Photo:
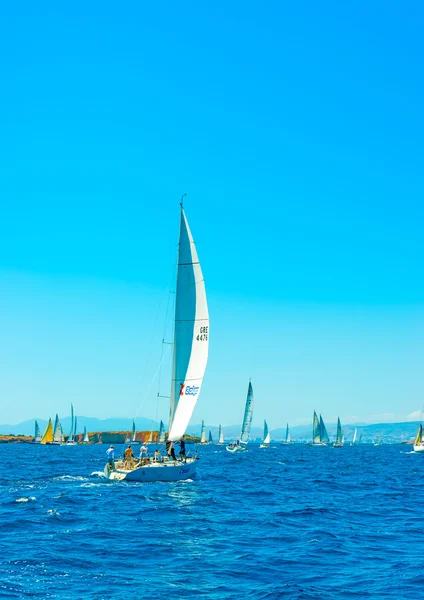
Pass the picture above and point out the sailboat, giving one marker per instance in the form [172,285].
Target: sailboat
[48,434]
[240,445]
[190,356]
[57,431]
[71,438]
[203,434]
[37,434]
[133,439]
[161,433]
[210,439]
[419,443]
[319,432]
[85,439]
[221,436]
[287,439]
[355,435]
[267,436]
[339,436]
[378,441]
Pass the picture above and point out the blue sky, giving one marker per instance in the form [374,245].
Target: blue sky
[295,128]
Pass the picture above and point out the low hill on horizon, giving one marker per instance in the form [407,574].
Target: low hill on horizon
[402,431]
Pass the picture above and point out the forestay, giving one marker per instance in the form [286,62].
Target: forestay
[191,334]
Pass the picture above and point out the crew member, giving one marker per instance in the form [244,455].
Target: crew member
[170,449]
[110,452]
[182,448]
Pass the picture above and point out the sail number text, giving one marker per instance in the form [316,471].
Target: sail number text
[203,335]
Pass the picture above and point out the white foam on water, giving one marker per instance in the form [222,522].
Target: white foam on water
[98,474]
[26,499]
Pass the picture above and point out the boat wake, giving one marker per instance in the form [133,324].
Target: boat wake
[26,499]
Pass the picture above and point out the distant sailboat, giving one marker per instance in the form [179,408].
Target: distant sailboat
[319,432]
[355,435]
[57,431]
[48,434]
[86,439]
[339,436]
[267,437]
[221,436]
[419,443]
[190,356]
[71,438]
[134,434]
[161,433]
[241,444]
[360,439]
[37,434]
[378,441]
[210,439]
[287,439]
[203,434]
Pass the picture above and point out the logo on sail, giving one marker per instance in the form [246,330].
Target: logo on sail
[189,390]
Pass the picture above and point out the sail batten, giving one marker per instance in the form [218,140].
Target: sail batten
[191,334]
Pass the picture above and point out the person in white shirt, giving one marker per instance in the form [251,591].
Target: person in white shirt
[143,452]
[110,452]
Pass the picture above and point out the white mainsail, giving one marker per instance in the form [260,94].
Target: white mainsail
[267,435]
[355,434]
[133,432]
[191,334]
[85,439]
[248,414]
[203,434]
[288,439]
[221,436]
[57,431]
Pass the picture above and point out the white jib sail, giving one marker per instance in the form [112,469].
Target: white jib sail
[221,435]
[355,436]
[57,431]
[248,414]
[267,435]
[86,439]
[191,335]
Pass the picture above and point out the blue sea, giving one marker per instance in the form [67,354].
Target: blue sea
[289,522]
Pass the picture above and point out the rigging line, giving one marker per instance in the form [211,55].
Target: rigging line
[150,345]
[152,380]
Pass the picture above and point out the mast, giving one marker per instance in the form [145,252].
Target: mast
[191,334]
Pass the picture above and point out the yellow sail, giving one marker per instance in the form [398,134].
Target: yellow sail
[419,437]
[48,434]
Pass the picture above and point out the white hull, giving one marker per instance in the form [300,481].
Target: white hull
[336,445]
[419,448]
[234,449]
[264,446]
[287,443]
[318,444]
[167,471]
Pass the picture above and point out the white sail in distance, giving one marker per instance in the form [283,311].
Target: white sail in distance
[248,414]
[191,334]
[71,434]
[85,439]
[57,431]
[161,433]
[203,434]
[37,433]
[288,439]
[267,435]
[133,432]
[221,435]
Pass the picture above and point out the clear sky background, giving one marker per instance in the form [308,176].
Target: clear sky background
[297,130]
